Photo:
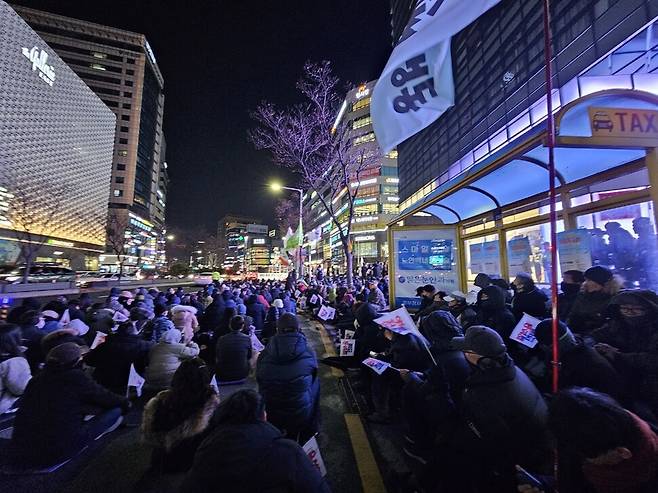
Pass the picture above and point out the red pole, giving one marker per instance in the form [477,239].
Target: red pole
[550,144]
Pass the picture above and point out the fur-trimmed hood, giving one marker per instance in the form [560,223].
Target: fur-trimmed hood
[192,426]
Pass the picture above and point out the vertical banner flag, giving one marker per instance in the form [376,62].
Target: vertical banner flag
[416,86]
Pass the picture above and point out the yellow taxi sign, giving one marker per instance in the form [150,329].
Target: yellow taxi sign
[623,122]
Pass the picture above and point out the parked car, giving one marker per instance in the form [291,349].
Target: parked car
[39,273]
[202,278]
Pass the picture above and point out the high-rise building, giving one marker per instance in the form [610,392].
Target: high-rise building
[376,201]
[56,141]
[120,67]
[481,169]
[231,233]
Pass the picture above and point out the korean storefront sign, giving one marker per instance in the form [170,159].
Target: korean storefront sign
[621,122]
[423,256]
[575,250]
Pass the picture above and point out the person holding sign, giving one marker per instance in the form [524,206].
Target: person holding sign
[244,453]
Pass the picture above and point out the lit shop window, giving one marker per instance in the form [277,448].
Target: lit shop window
[623,239]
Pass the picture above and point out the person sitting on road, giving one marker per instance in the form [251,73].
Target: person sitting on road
[527,298]
[376,296]
[14,368]
[31,337]
[233,354]
[51,425]
[51,321]
[589,310]
[112,359]
[271,319]
[153,330]
[246,454]
[602,447]
[287,375]
[256,311]
[176,421]
[165,358]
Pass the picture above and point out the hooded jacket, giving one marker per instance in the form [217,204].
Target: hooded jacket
[637,341]
[251,458]
[232,357]
[287,379]
[530,300]
[368,334]
[494,313]
[176,446]
[257,312]
[588,312]
[164,360]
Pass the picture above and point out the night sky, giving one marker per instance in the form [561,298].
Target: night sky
[219,60]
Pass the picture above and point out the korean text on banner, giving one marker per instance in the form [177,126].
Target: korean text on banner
[401,322]
[575,249]
[376,365]
[524,332]
[313,452]
[416,86]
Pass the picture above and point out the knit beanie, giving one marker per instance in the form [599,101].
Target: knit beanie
[600,275]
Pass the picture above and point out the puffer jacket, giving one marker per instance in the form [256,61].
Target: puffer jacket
[493,312]
[286,372]
[637,341]
[174,448]
[232,357]
[508,414]
[164,360]
[251,458]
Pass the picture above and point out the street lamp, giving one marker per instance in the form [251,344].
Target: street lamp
[277,187]
[170,237]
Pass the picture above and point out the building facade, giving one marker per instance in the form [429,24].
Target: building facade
[377,197]
[120,67]
[56,140]
[231,233]
[481,168]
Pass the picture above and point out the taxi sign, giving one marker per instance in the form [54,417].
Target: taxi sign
[622,122]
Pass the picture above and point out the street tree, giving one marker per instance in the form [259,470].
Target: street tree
[33,214]
[115,229]
[314,143]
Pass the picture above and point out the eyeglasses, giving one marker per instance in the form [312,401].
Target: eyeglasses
[632,309]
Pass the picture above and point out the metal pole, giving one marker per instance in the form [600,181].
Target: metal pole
[300,234]
[550,144]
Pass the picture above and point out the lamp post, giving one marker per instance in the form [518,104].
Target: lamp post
[277,187]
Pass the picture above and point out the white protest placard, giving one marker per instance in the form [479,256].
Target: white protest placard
[135,380]
[524,332]
[376,365]
[349,334]
[313,452]
[119,317]
[297,293]
[256,345]
[213,383]
[401,322]
[98,340]
[347,347]
[314,299]
[327,313]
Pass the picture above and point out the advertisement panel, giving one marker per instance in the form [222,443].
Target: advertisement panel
[574,250]
[260,229]
[423,256]
[485,257]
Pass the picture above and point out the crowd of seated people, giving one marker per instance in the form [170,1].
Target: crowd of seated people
[479,414]
[68,368]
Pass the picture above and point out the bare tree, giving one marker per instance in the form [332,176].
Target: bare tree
[33,214]
[307,139]
[212,246]
[287,215]
[117,225]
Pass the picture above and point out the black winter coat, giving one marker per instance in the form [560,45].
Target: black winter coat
[232,357]
[493,313]
[508,413]
[251,458]
[588,312]
[533,303]
[408,352]
[48,427]
[112,359]
[287,379]
[257,312]
[213,316]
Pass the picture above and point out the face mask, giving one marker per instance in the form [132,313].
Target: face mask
[487,305]
[41,323]
[569,288]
